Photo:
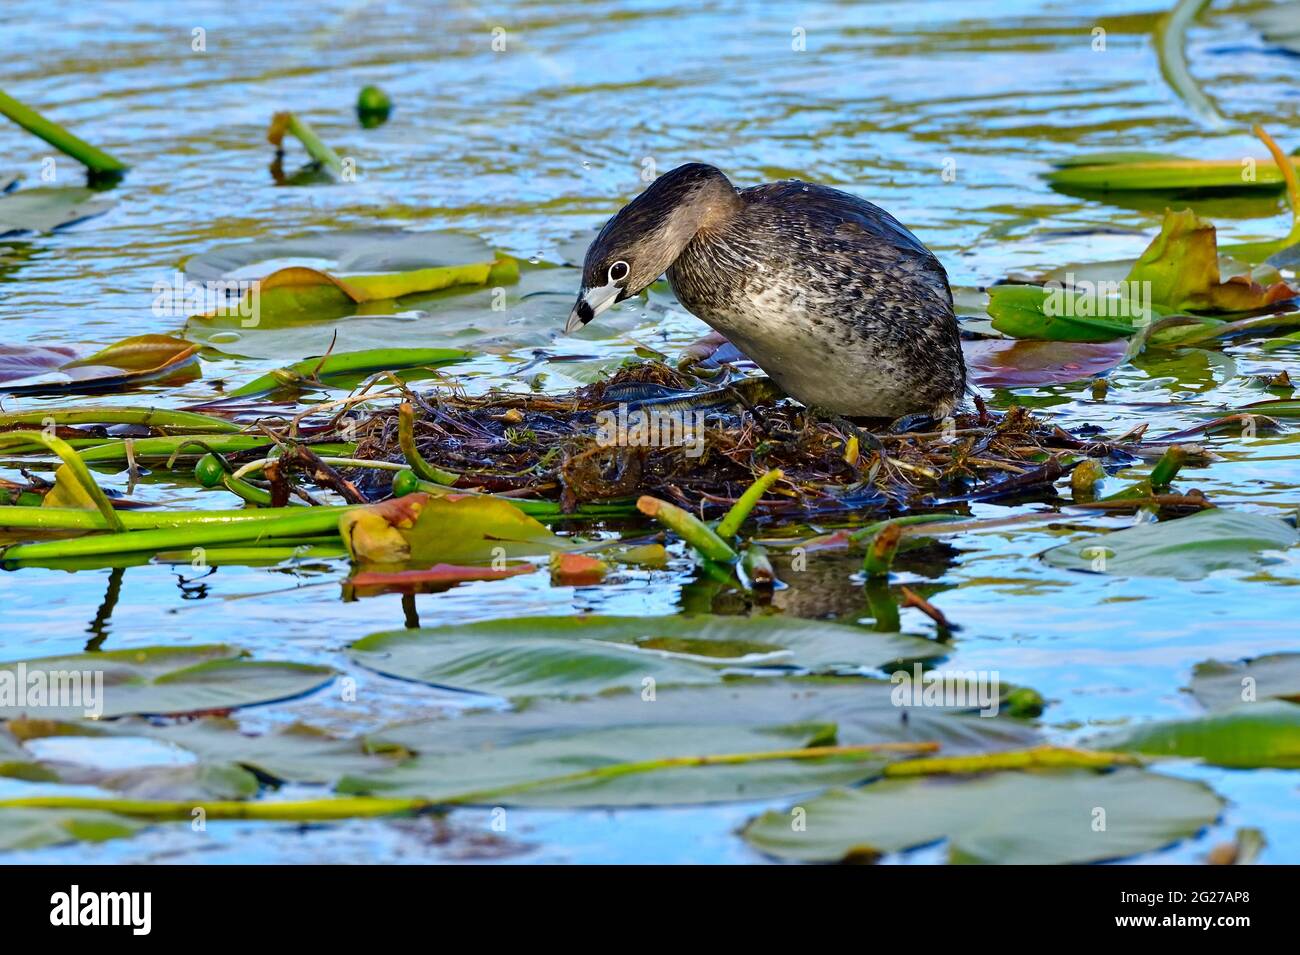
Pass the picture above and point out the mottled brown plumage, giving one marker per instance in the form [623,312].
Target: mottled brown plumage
[830,295]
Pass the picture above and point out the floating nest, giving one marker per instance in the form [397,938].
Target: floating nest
[652,429]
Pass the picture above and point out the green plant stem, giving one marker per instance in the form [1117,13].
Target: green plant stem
[76,466]
[758,567]
[1166,469]
[309,521]
[307,810]
[871,530]
[689,528]
[75,519]
[883,605]
[1040,757]
[58,137]
[158,418]
[731,521]
[406,438]
[166,448]
[246,491]
[1085,478]
[301,131]
[1170,44]
[881,551]
[1287,167]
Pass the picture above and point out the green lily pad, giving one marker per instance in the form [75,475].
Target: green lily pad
[1021,311]
[1248,736]
[1023,818]
[1188,548]
[1108,172]
[581,655]
[534,749]
[160,680]
[1221,686]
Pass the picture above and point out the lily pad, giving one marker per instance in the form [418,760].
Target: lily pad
[23,361]
[1023,818]
[142,360]
[344,288]
[1117,172]
[533,751]
[1221,686]
[552,771]
[863,710]
[1247,736]
[498,319]
[1023,311]
[1179,271]
[422,529]
[1009,363]
[372,250]
[1188,548]
[582,655]
[1280,26]
[46,209]
[158,680]
[34,828]
[195,781]
[295,753]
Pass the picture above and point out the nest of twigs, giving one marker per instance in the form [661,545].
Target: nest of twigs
[586,446]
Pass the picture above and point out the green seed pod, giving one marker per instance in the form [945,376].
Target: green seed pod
[404,483]
[373,107]
[209,471]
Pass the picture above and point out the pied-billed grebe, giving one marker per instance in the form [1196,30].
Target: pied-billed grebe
[830,295]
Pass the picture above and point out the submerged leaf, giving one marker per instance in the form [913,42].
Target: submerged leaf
[1003,363]
[439,575]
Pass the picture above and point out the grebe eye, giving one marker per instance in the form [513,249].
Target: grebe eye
[618,271]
